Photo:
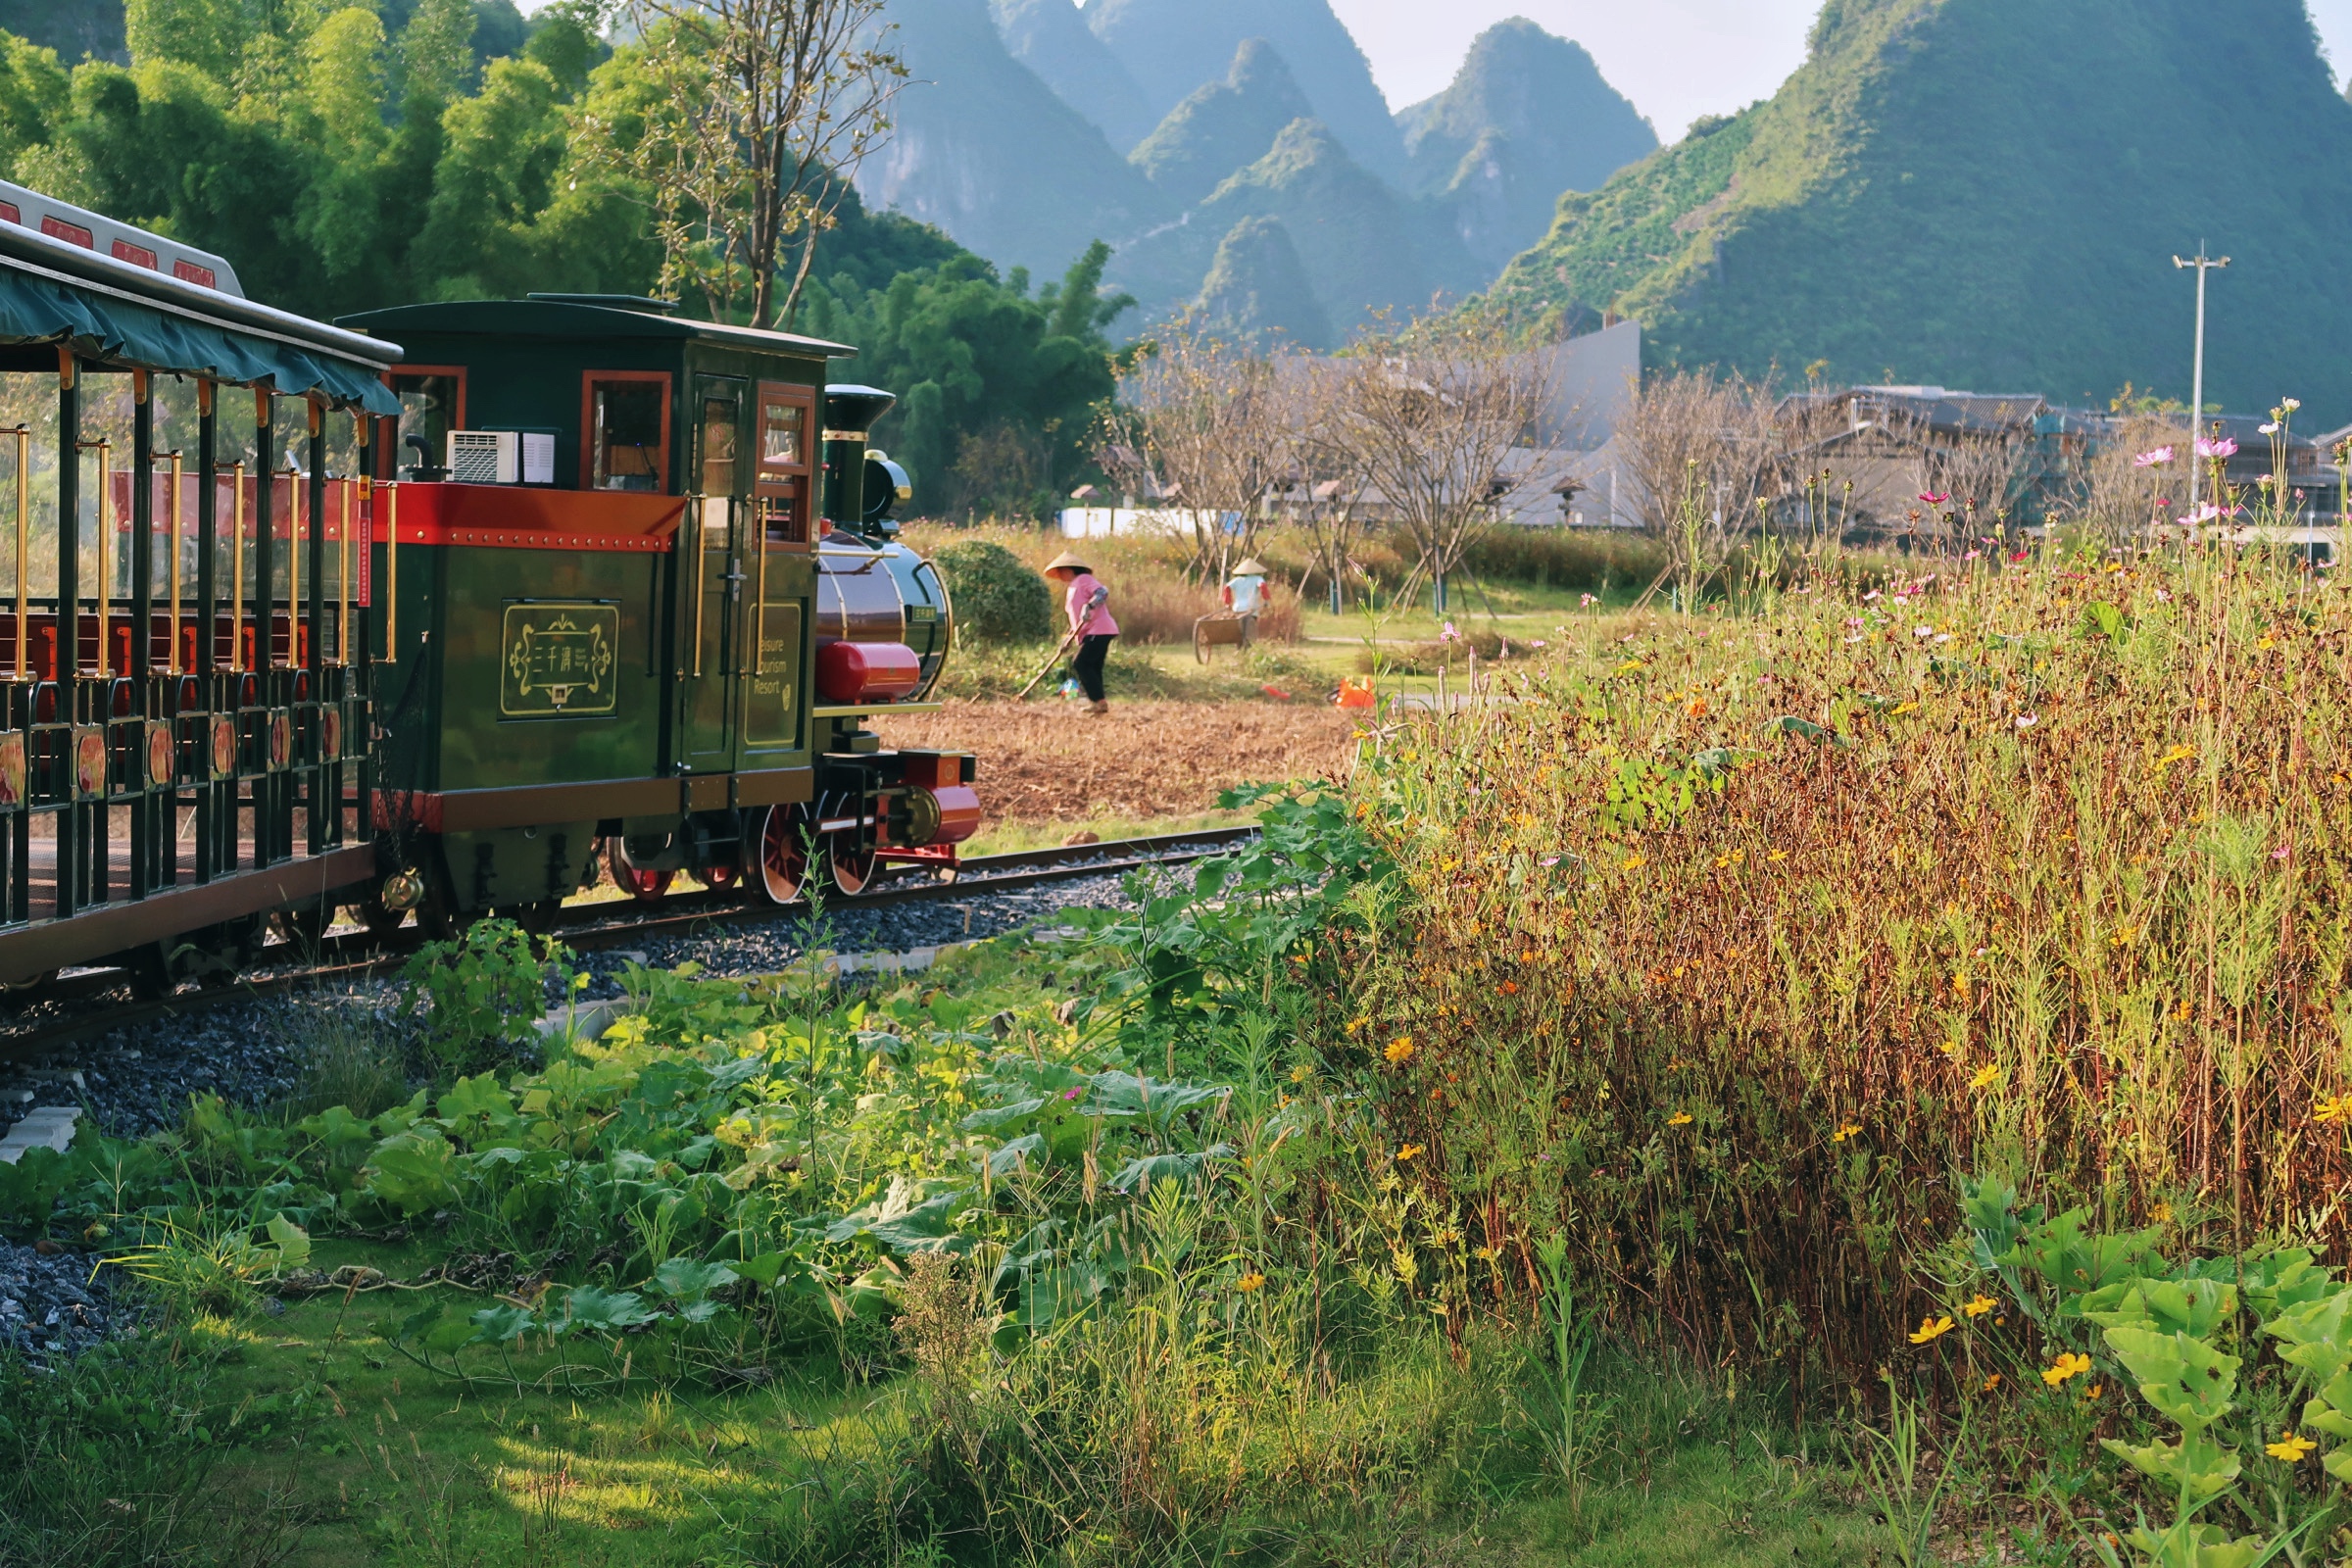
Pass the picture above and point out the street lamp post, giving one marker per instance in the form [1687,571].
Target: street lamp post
[2204,264]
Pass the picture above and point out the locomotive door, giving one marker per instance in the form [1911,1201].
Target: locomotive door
[780,537]
[714,578]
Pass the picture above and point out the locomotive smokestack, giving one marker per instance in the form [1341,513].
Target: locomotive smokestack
[849,413]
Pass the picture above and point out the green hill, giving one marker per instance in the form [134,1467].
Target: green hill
[1224,126]
[1173,46]
[1988,193]
[1258,287]
[984,150]
[1526,118]
[1052,39]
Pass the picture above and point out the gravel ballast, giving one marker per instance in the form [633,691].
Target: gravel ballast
[51,1305]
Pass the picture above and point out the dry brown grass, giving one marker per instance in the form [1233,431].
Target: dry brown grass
[1051,762]
[1151,598]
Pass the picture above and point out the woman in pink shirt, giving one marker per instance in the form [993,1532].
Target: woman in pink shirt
[1088,604]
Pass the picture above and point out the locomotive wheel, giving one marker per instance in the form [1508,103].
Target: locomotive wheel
[854,872]
[783,869]
[645,887]
[720,878]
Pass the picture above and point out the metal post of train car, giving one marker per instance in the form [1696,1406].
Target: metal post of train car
[106,556]
[322,814]
[23,436]
[174,514]
[264,615]
[237,569]
[68,639]
[139,665]
[19,697]
[209,837]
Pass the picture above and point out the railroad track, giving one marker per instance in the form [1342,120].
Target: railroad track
[587,927]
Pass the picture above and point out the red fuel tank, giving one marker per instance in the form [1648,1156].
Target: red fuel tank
[866,672]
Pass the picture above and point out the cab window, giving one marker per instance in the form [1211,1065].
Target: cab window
[627,419]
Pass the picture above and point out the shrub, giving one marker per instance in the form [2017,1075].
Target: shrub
[481,998]
[997,598]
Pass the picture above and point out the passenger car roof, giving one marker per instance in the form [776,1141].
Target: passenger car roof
[571,318]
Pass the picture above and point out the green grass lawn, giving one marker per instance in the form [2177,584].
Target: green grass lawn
[345,1453]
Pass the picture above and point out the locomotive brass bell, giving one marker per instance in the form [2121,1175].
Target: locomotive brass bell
[403,891]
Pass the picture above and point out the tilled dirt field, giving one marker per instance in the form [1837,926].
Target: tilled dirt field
[1049,760]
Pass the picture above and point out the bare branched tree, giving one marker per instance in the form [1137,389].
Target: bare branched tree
[1442,427]
[765,109]
[1977,478]
[2124,498]
[1703,450]
[1203,426]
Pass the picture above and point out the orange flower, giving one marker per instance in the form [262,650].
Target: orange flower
[1399,1049]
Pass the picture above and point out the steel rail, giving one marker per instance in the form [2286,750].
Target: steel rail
[591,927]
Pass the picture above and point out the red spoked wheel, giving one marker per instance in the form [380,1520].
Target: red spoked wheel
[643,886]
[854,871]
[783,865]
[720,878]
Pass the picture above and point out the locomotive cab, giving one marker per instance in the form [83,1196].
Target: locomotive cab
[642,598]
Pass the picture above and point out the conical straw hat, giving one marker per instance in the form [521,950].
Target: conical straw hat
[1251,567]
[1069,560]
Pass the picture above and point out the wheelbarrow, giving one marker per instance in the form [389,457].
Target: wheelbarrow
[1225,630]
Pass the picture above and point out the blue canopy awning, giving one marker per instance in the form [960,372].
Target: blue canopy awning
[41,310]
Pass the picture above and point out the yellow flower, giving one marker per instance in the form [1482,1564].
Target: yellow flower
[1986,1076]
[1635,862]
[1449,865]
[1399,1049]
[1485,1255]
[2178,753]
[1249,1282]
[2068,1365]
[1680,1119]
[2289,1448]
[1978,1305]
[2332,1111]
[1907,707]
[1931,1329]
[2261,643]
[1353,1024]
[1844,1131]
[1992,1383]
[1778,854]
[1301,1073]
[1951,1049]
[2096,1390]
[1408,1152]
[2162,1213]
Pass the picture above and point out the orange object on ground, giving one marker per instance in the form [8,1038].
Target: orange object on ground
[1356,692]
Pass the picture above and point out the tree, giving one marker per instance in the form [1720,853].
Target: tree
[766,109]
[1444,425]
[1204,424]
[1702,449]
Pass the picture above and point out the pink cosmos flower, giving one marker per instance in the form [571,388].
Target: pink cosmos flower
[1971,554]
[1538,643]
[2155,459]
[1450,635]
[2217,447]
[1587,601]
[1934,499]
[2204,513]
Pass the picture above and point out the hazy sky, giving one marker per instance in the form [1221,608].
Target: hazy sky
[1676,58]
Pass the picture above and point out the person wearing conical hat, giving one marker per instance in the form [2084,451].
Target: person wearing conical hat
[1245,595]
[1087,603]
